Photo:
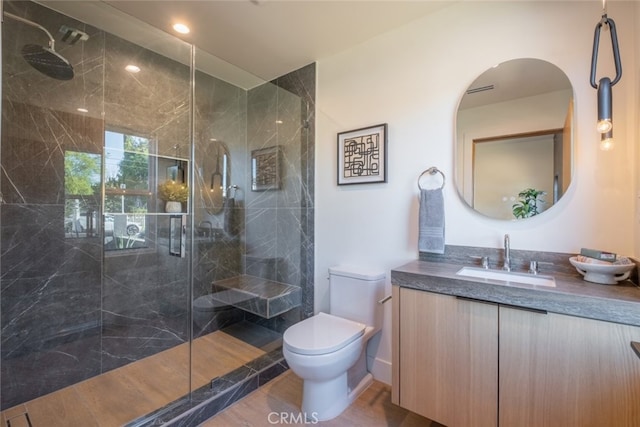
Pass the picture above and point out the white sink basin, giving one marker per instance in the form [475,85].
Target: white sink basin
[507,276]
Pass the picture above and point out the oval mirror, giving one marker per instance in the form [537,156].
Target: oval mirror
[514,132]
[215,177]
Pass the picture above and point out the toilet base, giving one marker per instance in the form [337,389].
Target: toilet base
[316,405]
[362,386]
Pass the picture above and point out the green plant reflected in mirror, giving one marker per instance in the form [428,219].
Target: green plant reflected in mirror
[529,203]
[514,131]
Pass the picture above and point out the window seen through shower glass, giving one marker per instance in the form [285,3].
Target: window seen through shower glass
[82,194]
[127,191]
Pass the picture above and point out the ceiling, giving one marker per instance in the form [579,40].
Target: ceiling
[518,78]
[264,38]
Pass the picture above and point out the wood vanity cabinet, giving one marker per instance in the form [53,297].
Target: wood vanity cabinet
[466,363]
[445,360]
[558,370]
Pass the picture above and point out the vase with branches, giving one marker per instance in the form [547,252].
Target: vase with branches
[174,194]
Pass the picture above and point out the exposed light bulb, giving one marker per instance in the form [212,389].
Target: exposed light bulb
[604,125]
[606,143]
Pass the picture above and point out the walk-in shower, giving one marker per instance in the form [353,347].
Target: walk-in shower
[111,308]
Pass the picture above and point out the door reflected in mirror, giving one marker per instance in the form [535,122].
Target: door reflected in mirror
[514,132]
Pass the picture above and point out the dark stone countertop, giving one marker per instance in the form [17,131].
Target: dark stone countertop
[572,296]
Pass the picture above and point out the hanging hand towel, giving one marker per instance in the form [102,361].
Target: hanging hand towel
[229,224]
[431,221]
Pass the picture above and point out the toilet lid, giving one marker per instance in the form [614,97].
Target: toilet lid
[321,334]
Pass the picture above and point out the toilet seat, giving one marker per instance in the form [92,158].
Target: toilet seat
[322,334]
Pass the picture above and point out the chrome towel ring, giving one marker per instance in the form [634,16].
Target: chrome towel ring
[431,171]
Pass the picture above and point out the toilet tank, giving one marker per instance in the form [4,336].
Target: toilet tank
[354,293]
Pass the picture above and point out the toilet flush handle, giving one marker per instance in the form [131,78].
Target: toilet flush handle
[385,299]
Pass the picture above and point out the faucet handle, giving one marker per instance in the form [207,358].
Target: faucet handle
[533,267]
[484,260]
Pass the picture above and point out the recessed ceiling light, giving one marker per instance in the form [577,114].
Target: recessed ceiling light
[279,122]
[181,28]
[132,68]
[82,110]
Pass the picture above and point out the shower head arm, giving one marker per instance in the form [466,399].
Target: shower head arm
[33,24]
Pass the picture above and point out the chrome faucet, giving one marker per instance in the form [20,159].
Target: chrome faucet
[507,253]
[208,233]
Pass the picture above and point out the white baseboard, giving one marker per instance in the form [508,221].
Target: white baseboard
[381,369]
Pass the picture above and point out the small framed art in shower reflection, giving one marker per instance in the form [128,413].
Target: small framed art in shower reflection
[177,235]
[266,169]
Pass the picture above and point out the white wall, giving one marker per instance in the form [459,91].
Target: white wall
[412,79]
[635,102]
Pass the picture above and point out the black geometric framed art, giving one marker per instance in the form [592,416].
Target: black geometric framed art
[362,155]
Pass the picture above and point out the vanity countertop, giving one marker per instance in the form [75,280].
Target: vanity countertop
[572,296]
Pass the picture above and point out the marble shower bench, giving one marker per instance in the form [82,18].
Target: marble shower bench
[262,297]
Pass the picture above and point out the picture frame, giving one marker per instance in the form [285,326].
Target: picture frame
[266,169]
[177,236]
[362,155]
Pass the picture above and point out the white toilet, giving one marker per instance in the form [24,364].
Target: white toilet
[207,311]
[328,351]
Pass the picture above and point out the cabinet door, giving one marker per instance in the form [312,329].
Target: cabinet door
[567,371]
[448,361]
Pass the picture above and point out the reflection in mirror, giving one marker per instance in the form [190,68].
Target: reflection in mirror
[131,177]
[514,134]
[126,190]
[82,194]
[215,177]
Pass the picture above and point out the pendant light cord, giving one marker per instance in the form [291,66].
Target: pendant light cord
[614,44]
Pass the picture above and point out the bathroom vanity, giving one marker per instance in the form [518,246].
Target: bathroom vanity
[482,352]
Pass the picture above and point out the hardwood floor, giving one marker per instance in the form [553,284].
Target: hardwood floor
[278,403]
[134,390]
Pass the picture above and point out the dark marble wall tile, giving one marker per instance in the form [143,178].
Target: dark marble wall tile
[261,232]
[73,360]
[55,299]
[22,83]
[153,103]
[50,284]
[35,141]
[302,83]
[278,222]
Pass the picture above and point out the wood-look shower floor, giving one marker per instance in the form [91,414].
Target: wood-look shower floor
[127,393]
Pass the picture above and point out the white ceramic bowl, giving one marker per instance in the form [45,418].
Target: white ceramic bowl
[606,274]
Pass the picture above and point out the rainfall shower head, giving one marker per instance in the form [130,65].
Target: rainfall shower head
[44,59]
[47,61]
